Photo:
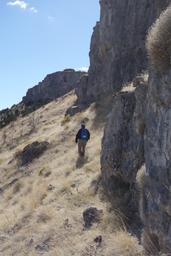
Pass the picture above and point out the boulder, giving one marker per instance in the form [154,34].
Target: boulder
[91,215]
[31,151]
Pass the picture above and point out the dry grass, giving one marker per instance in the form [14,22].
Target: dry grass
[159,42]
[67,118]
[41,213]
[126,245]
[37,195]
[140,180]
[150,243]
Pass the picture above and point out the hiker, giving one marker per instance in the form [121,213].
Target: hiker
[82,137]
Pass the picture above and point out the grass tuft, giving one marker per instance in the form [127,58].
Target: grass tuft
[159,42]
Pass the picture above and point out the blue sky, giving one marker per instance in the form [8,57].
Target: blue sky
[38,37]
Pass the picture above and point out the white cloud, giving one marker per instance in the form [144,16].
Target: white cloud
[84,69]
[23,5]
[19,3]
[33,9]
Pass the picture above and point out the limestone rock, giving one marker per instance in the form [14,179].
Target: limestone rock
[117,51]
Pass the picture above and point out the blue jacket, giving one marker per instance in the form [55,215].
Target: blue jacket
[78,136]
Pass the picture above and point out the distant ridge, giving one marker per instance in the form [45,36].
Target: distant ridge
[52,87]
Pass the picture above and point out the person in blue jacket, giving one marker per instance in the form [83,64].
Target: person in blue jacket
[82,136]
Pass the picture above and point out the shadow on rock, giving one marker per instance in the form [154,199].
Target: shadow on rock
[102,108]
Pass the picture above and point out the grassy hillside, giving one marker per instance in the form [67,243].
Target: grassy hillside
[42,204]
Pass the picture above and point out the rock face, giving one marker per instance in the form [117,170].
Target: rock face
[157,187]
[157,194]
[53,86]
[117,52]
[138,134]
[123,148]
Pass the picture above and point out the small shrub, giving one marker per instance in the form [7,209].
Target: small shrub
[41,171]
[66,119]
[30,152]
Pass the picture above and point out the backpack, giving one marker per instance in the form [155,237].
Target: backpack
[84,134]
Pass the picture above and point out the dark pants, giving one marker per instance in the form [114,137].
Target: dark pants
[81,147]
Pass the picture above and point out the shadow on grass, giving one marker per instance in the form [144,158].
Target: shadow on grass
[81,160]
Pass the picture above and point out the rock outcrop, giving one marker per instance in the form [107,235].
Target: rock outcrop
[8,115]
[53,86]
[123,148]
[117,52]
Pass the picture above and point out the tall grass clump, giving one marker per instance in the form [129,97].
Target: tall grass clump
[158,42]
[126,245]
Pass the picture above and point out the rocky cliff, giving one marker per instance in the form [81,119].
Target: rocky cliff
[157,187]
[52,87]
[137,144]
[117,51]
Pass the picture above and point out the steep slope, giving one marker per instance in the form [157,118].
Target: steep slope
[42,203]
